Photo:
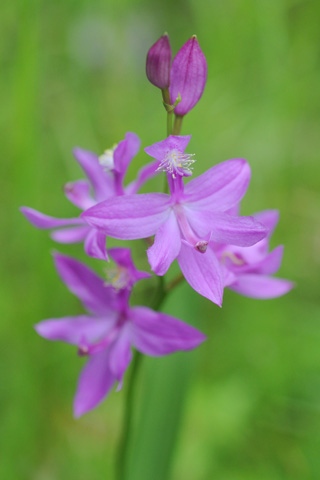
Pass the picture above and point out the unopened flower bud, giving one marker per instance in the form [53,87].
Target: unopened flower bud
[188,76]
[158,63]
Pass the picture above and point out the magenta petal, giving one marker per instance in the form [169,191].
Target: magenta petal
[203,273]
[85,284]
[75,329]
[120,355]
[144,174]
[94,383]
[234,211]
[272,262]
[125,151]
[159,150]
[157,334]
[269,218]
[70,235]
[242,231]
[188,76]
[228,276]
[78,193]
[95,245]
[129,217]
[269,265]
[122,257]
[261,286]
[159,62]
[102,183]
[166,246]
[219,188]
[40,220]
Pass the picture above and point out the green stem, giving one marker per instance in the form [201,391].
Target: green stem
[127,419]
[167,101]
[177,124]
[122,453]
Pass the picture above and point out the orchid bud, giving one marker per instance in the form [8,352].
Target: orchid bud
[188,76]
[158,62]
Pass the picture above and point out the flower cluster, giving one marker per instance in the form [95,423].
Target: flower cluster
[197,223]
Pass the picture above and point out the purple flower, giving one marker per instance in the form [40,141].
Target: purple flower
[159,62]
[185,222]
[248,270]
[112,327]
[188,76]
[171,157]
[105,176]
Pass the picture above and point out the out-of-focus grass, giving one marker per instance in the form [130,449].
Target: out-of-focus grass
[73,74]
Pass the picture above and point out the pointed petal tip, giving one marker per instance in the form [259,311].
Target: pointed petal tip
[76,150]
[78,411]
[80,151]
[58,256]
[38,328]
[290,285]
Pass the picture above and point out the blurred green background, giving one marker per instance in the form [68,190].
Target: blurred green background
[246,405]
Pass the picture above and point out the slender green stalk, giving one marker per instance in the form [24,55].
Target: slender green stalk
[121,459]
[167,105]
[177,124]
[127,419]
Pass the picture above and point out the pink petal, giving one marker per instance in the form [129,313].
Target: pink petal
[242,231]
[129,217]
[219,188]
[269,265]
[251,255]
[122,257]
[228,276]
[166,246]
[94,383]
[85,284]
[269,218]
[102,182]
[40,220]
[159,150]
[120,356]
[74,329]
[95,245]
[261,286]
[70,235]
[203,273]
[125,151]
[79,194]
[144,174]
[157,334]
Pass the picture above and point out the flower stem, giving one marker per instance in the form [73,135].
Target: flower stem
[177,124]
[167,102]
[176,281]
[127,420]
[122,453]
